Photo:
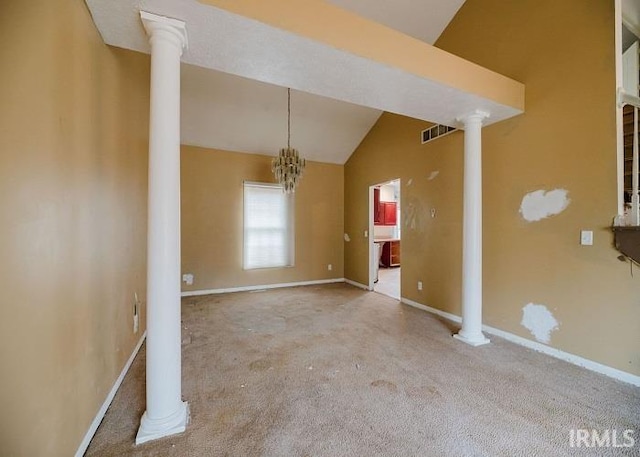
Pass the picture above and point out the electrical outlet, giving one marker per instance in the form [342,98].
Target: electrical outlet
[586,238]
[419,285]
[329,267]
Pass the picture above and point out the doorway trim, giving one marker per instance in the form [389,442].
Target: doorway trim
[370,242]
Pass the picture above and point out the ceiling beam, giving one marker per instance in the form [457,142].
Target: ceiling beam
[318,48]
[341,29]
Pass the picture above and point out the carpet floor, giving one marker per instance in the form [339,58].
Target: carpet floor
[336,371]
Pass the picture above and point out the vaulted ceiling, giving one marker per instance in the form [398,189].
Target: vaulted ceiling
[238,114]
[224,111]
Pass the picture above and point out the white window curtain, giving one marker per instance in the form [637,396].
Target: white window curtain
[268,226]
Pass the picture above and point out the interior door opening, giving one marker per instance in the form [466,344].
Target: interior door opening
[384,241]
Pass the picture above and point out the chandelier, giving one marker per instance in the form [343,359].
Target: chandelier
[288,166]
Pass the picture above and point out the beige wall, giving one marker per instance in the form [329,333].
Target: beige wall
[73,142]
[212,185]
[564,53]
[392,150]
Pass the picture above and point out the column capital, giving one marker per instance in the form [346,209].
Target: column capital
[175,29]
[473,116]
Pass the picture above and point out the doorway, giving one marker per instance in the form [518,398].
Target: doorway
[384,242]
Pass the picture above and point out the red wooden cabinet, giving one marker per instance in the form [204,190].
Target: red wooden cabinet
[390,213]
[390,256]
[384,213]
[387,213]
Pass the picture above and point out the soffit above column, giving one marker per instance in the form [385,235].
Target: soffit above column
[318,48]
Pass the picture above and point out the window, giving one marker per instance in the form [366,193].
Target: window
[268,226]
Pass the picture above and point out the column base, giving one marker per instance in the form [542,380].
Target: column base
[473,340]
[152,429]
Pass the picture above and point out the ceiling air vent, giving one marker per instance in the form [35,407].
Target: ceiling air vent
[436,131]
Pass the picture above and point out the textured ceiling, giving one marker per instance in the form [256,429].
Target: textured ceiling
[238,114]
[234,113]
[631,15]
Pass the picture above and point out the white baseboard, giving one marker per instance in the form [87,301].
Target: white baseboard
[447,316]
[103,409]
[548,350]
[356,284]
[193,293]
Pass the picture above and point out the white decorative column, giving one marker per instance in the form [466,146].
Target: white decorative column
[166,413]
[471,332]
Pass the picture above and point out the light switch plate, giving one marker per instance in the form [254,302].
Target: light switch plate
[586,237]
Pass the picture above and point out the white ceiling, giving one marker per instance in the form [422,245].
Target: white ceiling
[234,113]
[421,19]
[631,15]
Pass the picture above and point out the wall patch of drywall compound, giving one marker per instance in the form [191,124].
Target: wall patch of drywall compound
[541,204]
[433,175]
[410,217]
[347,238]
[539,321]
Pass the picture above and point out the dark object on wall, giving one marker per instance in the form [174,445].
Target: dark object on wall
[376,206]
[627,241]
